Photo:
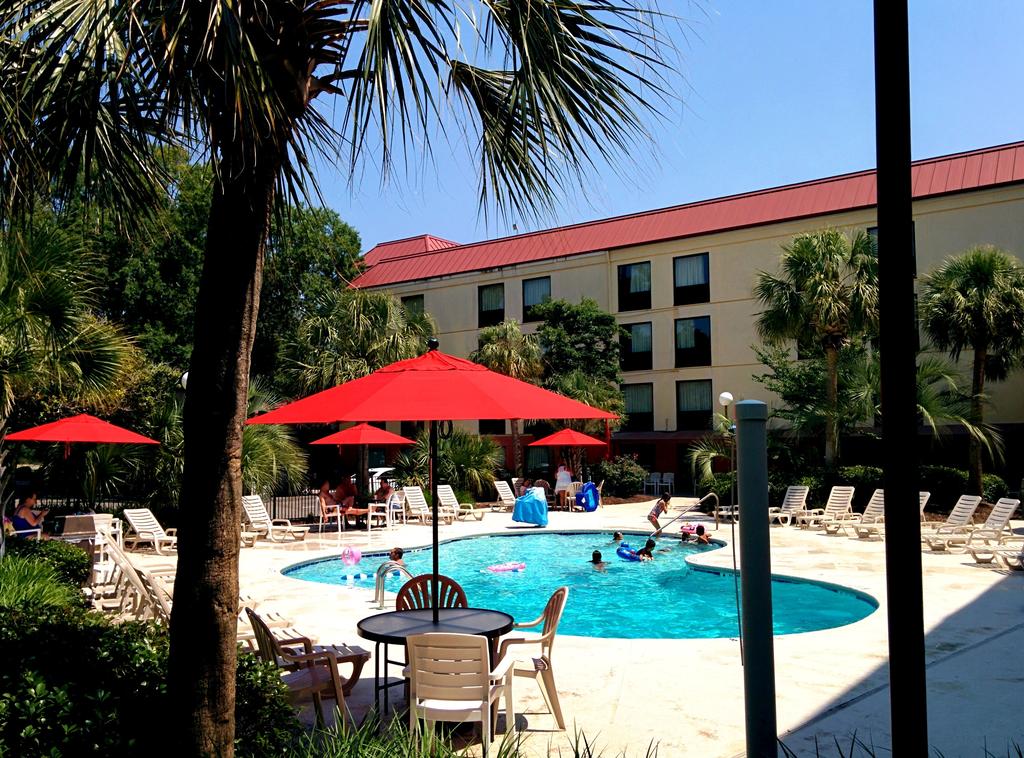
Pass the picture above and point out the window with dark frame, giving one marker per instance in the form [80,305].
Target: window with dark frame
[693,341]
[413,304]
[535,292]
[639,400]
[491,304]
[492,426]
[691,279]
[693,405]
[636,347]
[635,286]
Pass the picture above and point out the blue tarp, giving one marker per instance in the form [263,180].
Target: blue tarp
[531,508]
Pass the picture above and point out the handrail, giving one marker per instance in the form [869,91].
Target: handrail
[693,507]
[382,572]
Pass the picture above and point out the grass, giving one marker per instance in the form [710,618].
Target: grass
[31,582]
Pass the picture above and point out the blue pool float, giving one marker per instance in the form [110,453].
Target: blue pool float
[626,553]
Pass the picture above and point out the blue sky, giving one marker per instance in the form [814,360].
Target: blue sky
[772,93]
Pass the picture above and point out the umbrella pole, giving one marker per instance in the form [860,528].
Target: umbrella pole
[435,589]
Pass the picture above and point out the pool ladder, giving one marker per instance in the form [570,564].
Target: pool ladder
[382,572]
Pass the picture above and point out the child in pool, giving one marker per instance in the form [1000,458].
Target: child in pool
[700,536]
[646,553]
[617,537]
[597,562]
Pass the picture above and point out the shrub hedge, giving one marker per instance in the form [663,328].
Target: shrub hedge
[72,563]
[622,475]
[86,686]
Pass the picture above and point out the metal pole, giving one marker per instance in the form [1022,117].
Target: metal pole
[435,589]
[908,700]
[756,579]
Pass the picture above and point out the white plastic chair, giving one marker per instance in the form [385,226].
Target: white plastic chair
[450,679]
[653,482]
[276,530]
[147,529]
[506,497]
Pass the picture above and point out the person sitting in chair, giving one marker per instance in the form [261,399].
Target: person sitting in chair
[25,517]
[345,493]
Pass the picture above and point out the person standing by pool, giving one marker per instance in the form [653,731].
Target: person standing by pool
[659,508]
[563,481]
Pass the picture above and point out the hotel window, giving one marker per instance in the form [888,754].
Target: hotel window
[635,286]
[538,461]
[491,304]
[492,426]
[413,304]
[693,405]
[636,346]
[693,341]
[639,407]
[411,429]
[691,280]
[535,292]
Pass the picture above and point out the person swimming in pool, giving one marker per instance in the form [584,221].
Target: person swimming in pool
[700,535]
[597,561]
[617,537]
[646,553]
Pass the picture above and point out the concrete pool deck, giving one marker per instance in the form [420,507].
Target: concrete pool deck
[686,696]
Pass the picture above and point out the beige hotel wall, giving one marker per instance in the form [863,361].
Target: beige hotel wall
[944,226]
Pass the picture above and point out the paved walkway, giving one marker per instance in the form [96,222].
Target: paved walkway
[686,696]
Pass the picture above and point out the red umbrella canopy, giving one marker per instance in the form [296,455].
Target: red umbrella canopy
[363,434]
[81,428]
[568,438]
[432,387]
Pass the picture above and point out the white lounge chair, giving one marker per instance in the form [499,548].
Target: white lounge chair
[840,500]
[866,530]
[995,526]
[146,529]
[874,510]
[276,530]
[450,679]
[794,500]
[446,497]
[416,507]
[506,497]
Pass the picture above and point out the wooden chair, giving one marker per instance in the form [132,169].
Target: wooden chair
[417,593]
[450,679]
[309,674]
[539,668]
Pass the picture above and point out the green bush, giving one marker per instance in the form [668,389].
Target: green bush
[72,563]
[866,479]
[722,485]
[622,475]
[86,686]
[818,487]
[33,582]
[993,487]
[945,483]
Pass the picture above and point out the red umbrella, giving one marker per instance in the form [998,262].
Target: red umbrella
[433,387]
[81,428]
[568,438]
[363,434]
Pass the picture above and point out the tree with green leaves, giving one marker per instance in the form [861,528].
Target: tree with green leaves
[549,87]
[349,333]
[975,301]
[505,349]
[48,334]
[578,337]
[824,296]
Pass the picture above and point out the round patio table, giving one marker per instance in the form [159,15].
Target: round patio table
[394,627]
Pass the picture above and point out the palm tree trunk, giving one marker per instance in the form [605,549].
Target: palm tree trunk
[977,418]
[832,421]
[203,621]
[517,449]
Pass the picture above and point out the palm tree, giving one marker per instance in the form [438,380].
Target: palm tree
[975,301]
[595,392]
[48,337]
[505,349]
[546,89]
[271,456]
[351,333]
[825,295]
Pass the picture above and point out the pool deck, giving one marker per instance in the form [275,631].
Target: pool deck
[686,696]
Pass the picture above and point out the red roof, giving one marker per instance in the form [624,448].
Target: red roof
[424,243]
[961,172]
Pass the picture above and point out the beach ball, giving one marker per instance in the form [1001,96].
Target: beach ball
[350,556]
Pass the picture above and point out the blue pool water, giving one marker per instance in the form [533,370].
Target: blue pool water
[662,599]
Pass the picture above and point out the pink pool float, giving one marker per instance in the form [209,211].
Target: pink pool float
[510,566]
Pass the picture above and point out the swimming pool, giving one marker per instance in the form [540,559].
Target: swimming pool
[663,599]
